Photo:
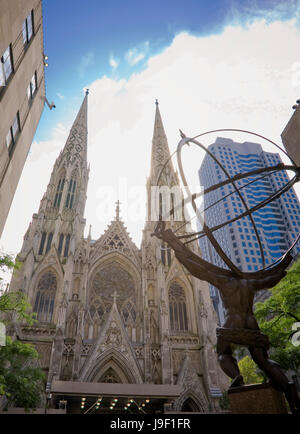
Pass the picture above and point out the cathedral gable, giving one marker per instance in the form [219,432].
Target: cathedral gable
[116,239]
[193,389]
[112,344]
[51,259]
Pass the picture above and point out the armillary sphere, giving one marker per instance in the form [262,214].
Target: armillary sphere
[248,211]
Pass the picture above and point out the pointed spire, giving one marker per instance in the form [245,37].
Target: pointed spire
[160,148]
[75,149]
[118,211]
[90,233]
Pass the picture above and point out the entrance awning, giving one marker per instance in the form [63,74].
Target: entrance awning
[166,391]
[87,397]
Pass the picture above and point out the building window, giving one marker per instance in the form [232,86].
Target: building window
[177,308]
[50,236]
[71,193]
[172,210]
[6,66]
[44,302]
[31,89]
[13,133]
[160,206]
[129,313]
[169,257]
[43,239]
[67,244]
[60,243]
[59,191]
[165,255]
[27,28]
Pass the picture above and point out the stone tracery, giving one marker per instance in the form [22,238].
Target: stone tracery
[108,282]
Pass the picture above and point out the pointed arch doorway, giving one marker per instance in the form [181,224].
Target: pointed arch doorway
[190,406]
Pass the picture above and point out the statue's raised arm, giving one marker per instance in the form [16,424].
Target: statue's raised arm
[197,266]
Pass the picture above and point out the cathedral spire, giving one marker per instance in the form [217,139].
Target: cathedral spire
[75,150]
[162,174]
[66,193]
[160,148]
[118,210]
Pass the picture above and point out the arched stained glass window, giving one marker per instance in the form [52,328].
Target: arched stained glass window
[112,283]
[44,302]
[177,308]
[71,192]
[113,278]
[128,312]
[59,191]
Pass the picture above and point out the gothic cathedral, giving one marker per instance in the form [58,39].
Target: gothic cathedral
[125,327]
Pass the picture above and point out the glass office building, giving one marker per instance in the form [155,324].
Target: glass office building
[278,223]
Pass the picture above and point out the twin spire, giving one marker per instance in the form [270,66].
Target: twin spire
[75,150]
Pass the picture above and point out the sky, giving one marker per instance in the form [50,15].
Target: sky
[211,65]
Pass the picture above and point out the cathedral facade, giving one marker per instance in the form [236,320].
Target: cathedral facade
[119,328]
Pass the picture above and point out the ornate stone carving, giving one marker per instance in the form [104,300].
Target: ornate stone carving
[155,353]
[113,336]
[38,331]
[73,148]
[86,348]
[44,351]
[68,349]
[139,352]
[202,310]
[184,340]
[192,386]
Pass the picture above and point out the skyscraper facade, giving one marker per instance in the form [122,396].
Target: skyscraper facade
[277,223]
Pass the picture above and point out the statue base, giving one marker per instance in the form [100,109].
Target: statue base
[256,399]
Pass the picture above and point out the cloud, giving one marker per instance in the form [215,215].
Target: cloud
[242,78]
[40,150]
[114,63]
[86,61]
[249,11]
[136,54]
[60,96]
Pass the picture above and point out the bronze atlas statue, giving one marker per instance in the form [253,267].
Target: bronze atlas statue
[237,288]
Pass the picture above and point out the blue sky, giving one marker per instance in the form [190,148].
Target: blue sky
[80,38]
[211,64]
